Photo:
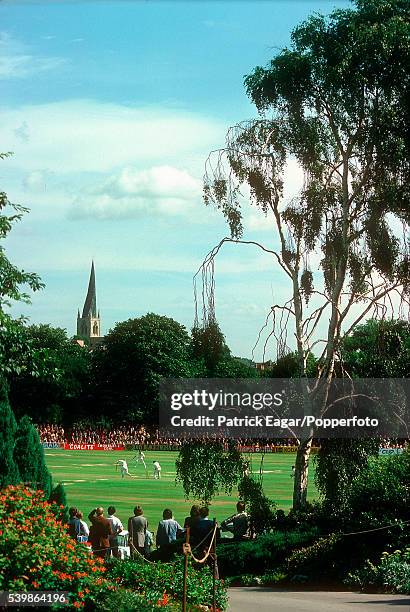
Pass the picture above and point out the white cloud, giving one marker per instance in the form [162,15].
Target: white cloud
[88,136]
[35,181]
[16,61]
[161,190]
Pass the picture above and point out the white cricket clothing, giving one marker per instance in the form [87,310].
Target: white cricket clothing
[157,470]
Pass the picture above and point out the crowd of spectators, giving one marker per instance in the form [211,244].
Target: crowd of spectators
[139,435]
[102,533]
[151,438]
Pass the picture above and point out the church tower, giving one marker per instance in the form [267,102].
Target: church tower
[89,323]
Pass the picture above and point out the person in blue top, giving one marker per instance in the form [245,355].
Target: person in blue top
[168,530]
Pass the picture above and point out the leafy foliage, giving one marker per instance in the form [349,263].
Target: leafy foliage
[9,473]
[266,552]
[338,463]
[380,494]
[391,573]
[155,579]
[336,100]
[261,509]
[135,356]
[55,378]
[58,499]
[207,469]
[123,600]
[29,457]
[378,349]
[322,556]
[210,349]
[288,366]
[37,554]
[209,345]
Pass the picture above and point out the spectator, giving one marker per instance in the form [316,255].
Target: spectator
[193,517]
[116,528]
[74,525]
[84,531]
[100,532]
[137,529]
[238,524]
[168,529]
[202,529]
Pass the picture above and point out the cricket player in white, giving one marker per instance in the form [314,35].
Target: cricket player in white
[123,468]
[157,470]
[140,458]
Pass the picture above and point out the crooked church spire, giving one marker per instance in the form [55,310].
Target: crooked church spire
[89,323]
[90,304]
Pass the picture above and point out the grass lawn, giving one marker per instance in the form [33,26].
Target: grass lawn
[91,480]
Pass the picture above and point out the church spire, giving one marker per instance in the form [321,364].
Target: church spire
[90,304]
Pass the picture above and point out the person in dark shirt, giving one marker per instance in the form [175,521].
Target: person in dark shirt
[74,525]
[201,530]
[100,532]
[238,524]
[193,517]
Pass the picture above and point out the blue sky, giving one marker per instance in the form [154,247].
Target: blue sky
[111,109]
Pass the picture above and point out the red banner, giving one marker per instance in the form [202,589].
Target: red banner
[97,447]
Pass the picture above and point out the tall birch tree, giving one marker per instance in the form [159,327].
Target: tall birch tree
[337,101]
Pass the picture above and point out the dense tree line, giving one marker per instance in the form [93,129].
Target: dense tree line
[58,381]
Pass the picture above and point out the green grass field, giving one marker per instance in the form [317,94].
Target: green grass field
[91,480]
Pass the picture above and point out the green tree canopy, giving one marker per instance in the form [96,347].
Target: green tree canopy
[208,469]
[135,355]
[378,349]
[56,379]
[214,356]
[14,284]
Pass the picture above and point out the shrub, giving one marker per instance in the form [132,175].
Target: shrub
[127,601]
[29,457]
[392,573]
[316,559]
[265,552]
[380,494]
[155,579]
[37,554]
[9,473]
[59,500]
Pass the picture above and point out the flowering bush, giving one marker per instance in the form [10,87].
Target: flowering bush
[37,554]
[392,573]
[162,583]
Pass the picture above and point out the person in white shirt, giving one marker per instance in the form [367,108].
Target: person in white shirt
[116,527]
[84,530]
[140,457]
[157,470]
[123,467]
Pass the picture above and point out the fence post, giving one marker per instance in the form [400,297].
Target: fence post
[185,569]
